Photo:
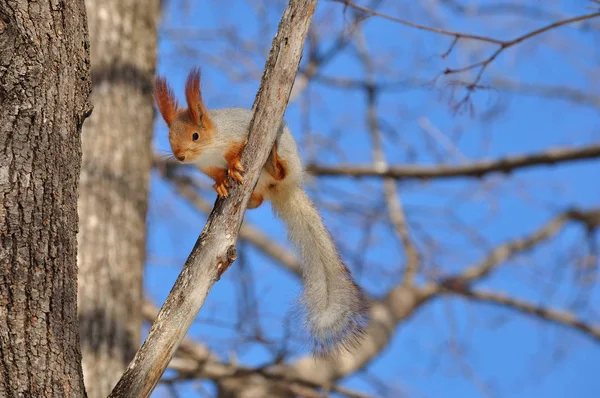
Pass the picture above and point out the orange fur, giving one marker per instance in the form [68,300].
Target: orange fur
[193,96]
[276,166]
[216,173]
[165,100]
[255,200]
[180,137]
[220,178]
[232,156]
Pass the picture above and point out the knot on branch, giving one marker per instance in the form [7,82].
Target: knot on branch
[456,284]
[223,262]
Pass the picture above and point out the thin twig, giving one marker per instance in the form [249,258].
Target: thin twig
[483,64]
[481,269]
[556,316]
[511,248]
[419,26]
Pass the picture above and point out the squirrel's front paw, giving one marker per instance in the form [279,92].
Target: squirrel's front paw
[234,172]
[221,188]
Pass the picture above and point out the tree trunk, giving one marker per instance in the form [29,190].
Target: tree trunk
[44,89]
[113,198]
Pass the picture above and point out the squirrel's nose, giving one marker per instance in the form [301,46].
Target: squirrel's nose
[181,158]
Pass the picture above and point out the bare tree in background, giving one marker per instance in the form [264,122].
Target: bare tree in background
[44,89]
[443,256]
[117,159]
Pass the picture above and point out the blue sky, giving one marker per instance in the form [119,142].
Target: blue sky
[509,354]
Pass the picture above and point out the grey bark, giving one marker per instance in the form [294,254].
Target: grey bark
[117,158]
[44,89]
[215,248]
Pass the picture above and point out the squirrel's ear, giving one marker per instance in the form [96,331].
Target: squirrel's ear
[196,108]
[165,100]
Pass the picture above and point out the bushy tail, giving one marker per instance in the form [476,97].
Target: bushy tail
[334,306]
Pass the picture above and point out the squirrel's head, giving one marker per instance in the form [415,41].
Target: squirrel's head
[190,130]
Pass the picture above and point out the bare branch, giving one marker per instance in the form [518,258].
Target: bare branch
[483,64]
[505,251]
[445,32]
[190,369]
[402,301]
[474,170]
[458,35]
[550,27]
[205,360]
[511,248]
[556,316]
[194,361]
[215,249]
[385,314]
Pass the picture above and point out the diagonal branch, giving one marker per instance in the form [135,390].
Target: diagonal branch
[402,301]
[510,249]
[480,169]
[556,316]
[591,219]
[215,249]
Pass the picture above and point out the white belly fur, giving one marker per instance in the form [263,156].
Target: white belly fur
[211,158]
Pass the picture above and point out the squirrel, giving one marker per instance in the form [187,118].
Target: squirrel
[334,306]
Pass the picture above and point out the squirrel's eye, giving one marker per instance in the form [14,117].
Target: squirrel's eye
[195,136]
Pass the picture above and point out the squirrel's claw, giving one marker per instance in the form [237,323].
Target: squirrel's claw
[237,177]
[221,189]
[238,166]
[234,172]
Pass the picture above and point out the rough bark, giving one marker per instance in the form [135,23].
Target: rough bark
[44,89]
[117,158]
[215,248]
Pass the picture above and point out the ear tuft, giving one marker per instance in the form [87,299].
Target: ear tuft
[196,108]
[165,100]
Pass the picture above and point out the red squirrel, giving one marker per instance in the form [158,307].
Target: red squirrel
[213,140]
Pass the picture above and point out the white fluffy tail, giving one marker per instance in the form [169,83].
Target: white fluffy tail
[335,308]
